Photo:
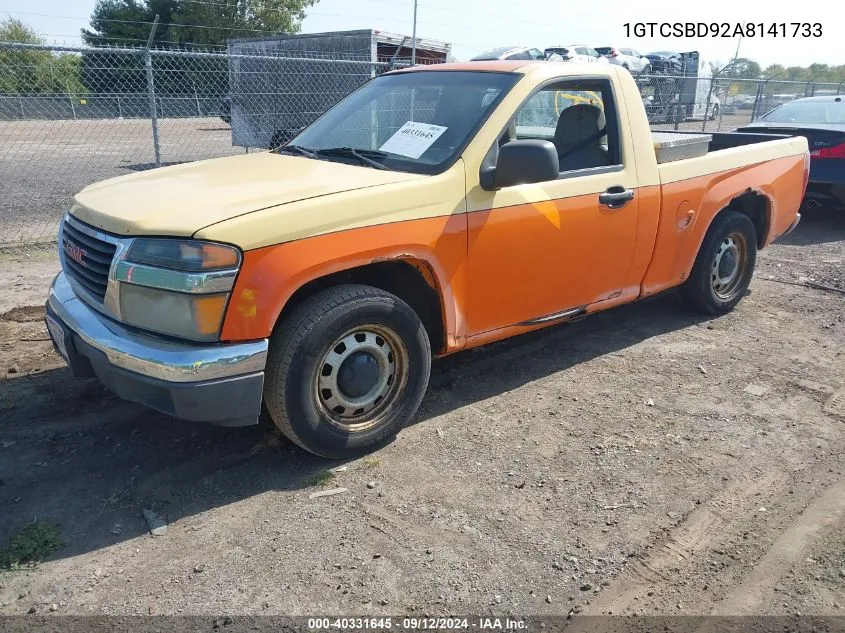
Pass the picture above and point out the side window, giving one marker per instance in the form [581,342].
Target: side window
[581,50]
[579,117]
[536,54]
[592,52]
[520,55]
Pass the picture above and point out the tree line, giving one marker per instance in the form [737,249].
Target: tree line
[35,72]
[203,23]
[182,24]
[744,68]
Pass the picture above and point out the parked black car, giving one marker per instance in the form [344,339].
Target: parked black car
[665,63]
[822,121]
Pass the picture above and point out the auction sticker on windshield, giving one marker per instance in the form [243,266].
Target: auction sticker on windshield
[413,139]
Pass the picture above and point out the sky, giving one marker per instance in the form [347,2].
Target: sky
[473,26]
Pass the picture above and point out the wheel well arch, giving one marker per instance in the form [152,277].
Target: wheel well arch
[757,207]
[411,280]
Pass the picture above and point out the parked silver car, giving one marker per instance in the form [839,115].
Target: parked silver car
[627,58]
[580,53]
[510,52]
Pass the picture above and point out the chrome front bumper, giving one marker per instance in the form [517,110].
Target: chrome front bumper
[219,383]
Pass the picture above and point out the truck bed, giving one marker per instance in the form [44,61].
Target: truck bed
[730,151]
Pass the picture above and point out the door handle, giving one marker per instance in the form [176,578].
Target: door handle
[616,197]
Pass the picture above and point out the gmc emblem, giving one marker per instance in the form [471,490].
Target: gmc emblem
[76,253]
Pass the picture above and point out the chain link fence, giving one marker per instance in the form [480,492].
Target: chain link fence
[719,103]
[70,117]
[127,110]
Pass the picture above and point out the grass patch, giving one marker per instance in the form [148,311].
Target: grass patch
[371,462]
[30,545]
[321,479]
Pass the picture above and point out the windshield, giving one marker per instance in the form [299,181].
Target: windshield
[413,121]
[808,112]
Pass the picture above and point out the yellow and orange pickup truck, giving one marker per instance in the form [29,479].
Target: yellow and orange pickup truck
[433,210]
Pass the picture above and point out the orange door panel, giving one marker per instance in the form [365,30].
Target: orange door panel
[534,259]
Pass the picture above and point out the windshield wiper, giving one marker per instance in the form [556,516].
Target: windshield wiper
[365,156]
[299,149]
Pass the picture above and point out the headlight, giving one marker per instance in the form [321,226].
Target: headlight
[177,287]
[194,317]
[190,255]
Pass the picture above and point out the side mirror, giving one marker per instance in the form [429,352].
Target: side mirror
[522,162]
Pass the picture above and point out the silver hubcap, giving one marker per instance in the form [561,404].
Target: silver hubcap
[360,376]
[728,265]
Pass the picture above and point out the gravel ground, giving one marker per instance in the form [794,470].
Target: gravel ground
[44,163]
[643,460]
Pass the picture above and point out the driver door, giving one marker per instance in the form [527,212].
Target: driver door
[538,252]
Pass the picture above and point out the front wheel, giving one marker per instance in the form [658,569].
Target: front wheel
[347,370]
[724,266]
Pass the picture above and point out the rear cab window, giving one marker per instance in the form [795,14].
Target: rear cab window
[519,55]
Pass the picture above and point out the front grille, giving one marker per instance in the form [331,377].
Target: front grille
[87,258]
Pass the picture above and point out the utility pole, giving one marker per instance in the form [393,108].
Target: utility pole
[736,55]
[414,37]
[148,62]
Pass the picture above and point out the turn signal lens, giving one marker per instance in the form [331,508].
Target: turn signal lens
[208,313]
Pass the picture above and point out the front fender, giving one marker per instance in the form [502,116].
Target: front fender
[270,276]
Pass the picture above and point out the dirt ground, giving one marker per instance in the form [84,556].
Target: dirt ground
[644,460]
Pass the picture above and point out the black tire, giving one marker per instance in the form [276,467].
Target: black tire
[714,112]
[279,138]
[299,393]
[705,290]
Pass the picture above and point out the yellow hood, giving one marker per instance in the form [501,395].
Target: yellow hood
[183,199]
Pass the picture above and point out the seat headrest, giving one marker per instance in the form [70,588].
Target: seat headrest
[578,123]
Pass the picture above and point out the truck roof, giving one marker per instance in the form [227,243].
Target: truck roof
[524,67]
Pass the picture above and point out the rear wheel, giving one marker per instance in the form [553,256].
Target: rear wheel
[724,266]
[347,370]
[279,138]
[715,112]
